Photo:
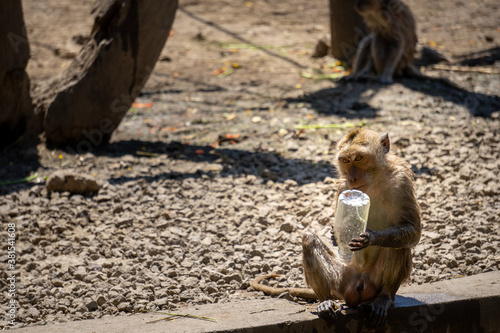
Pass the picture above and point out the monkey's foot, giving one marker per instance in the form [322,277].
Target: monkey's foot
[329,309]
[377,309]
[348,78]
[385,79]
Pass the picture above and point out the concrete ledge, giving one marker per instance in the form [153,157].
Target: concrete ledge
[470,304]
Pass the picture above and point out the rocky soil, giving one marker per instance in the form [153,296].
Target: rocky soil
[214,182]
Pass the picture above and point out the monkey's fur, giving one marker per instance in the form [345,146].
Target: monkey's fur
[389,49]
[382,257]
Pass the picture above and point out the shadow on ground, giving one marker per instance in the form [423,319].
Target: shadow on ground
[351,99]
[17,163]
[235,162]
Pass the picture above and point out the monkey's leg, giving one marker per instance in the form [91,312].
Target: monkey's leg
[386,56]
[362,63]
[324,273]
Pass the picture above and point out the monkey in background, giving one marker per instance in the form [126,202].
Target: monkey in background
[389,49]
[382,258]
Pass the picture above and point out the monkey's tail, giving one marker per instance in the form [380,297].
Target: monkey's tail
[430,56]
[413,71]
[306,293]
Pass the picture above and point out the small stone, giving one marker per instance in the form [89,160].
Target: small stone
[191,282]
[57,282]
[302,212]
[214,276]
[207,241]
[329,180]
[233,277]
[101,300]
[92,306]
[465,172]
[187,263]
[287,227]
[80,274]
[212,289]
[33,313]
[73,182]
[161,302]
[434,236]
[124,306]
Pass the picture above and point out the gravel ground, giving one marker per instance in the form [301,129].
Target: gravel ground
[183,220]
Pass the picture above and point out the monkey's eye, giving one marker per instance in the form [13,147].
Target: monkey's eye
[346,160]
[358,158]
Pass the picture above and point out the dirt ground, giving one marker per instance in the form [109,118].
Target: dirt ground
[214,182]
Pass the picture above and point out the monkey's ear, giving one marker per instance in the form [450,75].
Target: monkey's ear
[385,142]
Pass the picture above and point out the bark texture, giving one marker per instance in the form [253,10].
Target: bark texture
[347,29]
[16,110]
[85,105]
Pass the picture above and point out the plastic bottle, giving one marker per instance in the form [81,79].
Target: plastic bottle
[350,220]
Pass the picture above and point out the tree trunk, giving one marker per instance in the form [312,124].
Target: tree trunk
[86,104]
[16,110]
[347,29]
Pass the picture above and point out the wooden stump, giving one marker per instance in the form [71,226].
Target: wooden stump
[347,29]
[16,110]
[85,105]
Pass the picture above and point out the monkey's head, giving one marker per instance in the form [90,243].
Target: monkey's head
[365,6]
[361,155]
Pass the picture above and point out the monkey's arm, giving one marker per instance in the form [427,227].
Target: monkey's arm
[405,234]
[306,293]
[402,236]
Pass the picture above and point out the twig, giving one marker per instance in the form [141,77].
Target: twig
[318,126]
[13,143]
[245,46]
[454,68]
[18,181]
[145,153]
[172,315]
[161,319]
[322,76]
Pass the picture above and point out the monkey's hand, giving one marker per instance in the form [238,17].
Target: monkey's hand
[362,241]
[377,308]
[329,309]
[332,237]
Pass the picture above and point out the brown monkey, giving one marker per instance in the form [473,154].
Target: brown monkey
[390,47]
[382,258]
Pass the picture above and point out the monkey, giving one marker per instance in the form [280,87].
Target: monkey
[382,254]
[389,49]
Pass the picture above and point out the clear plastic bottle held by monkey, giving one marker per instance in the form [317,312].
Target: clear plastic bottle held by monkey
[350,220]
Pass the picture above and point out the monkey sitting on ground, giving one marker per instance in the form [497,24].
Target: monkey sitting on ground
[389,49]
[382,258]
